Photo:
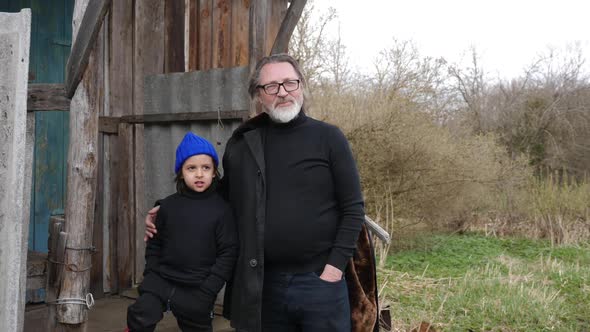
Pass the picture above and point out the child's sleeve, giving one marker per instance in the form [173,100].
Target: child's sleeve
[227,254]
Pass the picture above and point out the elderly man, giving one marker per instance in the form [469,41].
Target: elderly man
[295,190]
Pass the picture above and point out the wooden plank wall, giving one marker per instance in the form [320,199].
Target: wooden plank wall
[218,31]
[147,37]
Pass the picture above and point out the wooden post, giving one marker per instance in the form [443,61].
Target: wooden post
[120,103]
[55,227]
[281,42]
[81,187]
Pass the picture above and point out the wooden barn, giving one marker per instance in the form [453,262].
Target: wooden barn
[113,86]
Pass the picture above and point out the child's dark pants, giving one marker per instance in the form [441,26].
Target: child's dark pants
[191,307]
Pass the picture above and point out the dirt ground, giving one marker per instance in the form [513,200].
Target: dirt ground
[108,315]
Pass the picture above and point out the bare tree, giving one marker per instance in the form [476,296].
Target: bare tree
[309,42]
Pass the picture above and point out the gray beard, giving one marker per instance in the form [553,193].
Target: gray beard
[284,115]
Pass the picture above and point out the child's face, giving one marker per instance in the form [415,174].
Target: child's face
[198,172]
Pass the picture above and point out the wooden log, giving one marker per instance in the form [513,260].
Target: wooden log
[47,97]
[281,42]
[84,42]
[81,175]
[120,103]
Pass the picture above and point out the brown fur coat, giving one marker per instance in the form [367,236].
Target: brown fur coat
[361,278]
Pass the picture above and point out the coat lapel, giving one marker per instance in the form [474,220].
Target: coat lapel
[253,139]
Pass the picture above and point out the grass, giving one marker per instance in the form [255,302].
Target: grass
[477,283]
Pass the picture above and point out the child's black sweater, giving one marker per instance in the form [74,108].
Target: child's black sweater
[196,243]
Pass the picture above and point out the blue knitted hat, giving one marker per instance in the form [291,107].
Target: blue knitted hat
[192,145]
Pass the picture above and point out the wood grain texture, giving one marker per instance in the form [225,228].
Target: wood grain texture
[81,188]
[174,37]
[205,30]
[281,42]
[121,102]
[220,37]
[240,16]
[82,46]
[50,97]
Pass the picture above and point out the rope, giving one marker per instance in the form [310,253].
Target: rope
[92,249]
[88,301]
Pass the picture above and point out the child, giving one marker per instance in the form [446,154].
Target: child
[194,251]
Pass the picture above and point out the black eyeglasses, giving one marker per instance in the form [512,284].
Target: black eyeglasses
[273,88]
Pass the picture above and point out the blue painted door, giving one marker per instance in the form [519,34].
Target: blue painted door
[51,34]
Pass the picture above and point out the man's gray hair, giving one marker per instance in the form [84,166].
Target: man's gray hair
[275,58]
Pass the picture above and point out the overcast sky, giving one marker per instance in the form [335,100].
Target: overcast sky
[508,34]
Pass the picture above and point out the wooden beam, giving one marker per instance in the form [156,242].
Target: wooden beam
[110,124]
[180,117]
[47,97]
[84,43]
[281,44]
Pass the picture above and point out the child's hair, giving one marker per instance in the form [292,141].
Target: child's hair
[181,187]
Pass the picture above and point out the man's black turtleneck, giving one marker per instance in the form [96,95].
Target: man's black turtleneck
[314,207]
[196,243]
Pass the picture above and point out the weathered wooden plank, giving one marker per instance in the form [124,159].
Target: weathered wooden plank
[278,10]
[96,275]
[240,15]
[205,31]
[193,31]
[47,97]
[220,38]
[120,102]
[258,30]
[174,37]
[84,43]
[108,125]
[55,227]
[126,215]
[281,42]
[181,117]
[148,59]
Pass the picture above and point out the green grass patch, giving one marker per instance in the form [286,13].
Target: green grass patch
[473,282]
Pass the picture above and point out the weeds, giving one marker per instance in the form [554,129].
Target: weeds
[472,282]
